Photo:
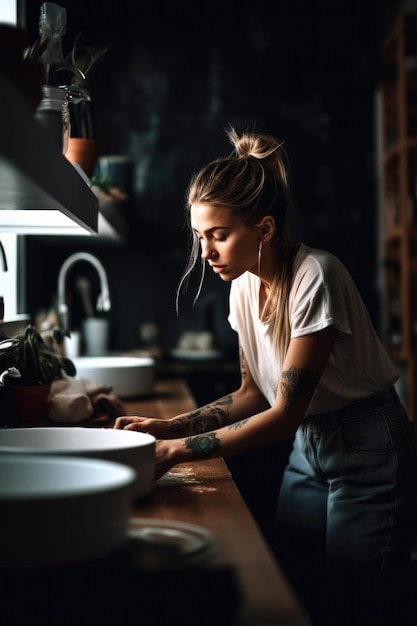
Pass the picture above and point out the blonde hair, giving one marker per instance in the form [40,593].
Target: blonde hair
[251,182]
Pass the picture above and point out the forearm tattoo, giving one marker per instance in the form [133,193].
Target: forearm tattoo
[203,445]
[297,383]
[204,419]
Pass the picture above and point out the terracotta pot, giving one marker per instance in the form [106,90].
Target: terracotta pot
[24,405]
[84,152]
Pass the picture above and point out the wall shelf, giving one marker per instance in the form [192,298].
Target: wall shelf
[41,192]
[35,176]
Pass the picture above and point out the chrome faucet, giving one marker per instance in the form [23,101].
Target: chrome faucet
[103,300]
[5,269]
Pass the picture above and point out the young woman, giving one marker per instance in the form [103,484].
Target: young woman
[312,366]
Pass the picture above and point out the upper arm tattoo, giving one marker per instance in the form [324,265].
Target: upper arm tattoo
[297,383]
[204,419]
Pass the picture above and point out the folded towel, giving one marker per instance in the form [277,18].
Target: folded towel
[73,400]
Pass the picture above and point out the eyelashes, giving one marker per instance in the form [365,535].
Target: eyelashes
[215,239]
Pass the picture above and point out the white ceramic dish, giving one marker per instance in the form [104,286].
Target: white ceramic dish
[128,376]
[137,450]
[57,510]
[157,543]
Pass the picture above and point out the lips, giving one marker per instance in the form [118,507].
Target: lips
[217,268]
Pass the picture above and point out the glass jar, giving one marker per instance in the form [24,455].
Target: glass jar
[53,114]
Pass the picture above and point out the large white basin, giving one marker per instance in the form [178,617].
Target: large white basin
[136,450]
[58,510]
[16,326]
[127,375]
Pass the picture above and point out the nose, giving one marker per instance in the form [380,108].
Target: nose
[207,251]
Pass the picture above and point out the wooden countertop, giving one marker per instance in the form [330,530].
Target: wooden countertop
[205,494]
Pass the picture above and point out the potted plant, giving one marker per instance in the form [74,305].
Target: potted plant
[83,148]
[29,363]
[71,74]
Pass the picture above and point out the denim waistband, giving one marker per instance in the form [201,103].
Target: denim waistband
[379,401]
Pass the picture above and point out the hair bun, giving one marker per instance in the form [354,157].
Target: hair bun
[244,144]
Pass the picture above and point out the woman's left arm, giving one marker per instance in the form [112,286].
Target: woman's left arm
[304,364]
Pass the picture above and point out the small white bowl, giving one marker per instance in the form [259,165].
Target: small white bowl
[128,376]
[58,510]
[136,450]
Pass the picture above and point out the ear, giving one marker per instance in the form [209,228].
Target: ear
[267,228]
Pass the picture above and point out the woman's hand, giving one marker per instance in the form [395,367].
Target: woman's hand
[160,429]
[167,454]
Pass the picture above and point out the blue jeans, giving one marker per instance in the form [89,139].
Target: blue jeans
[347,513]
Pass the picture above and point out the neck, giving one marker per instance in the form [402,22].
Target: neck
[272,263]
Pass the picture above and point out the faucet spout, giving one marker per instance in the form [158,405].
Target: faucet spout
[103,300]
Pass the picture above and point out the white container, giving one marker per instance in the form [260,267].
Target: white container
[58,511]
[73,345]
[128,376]
[133,449]
[96,334]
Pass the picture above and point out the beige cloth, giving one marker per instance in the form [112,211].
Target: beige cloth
[73,400]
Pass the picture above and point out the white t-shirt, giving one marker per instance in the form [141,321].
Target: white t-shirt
[322,294]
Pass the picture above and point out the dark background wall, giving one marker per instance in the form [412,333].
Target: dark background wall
[173,79]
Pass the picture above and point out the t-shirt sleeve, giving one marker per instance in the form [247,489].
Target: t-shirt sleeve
[317,301]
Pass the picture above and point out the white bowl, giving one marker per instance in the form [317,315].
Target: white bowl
[137,450]
[57,510]
[128,376]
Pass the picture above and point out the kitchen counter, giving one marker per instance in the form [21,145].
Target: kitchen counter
[205,494]
[202,560]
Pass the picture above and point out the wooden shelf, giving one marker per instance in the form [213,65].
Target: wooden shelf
[396,233]
[398,139]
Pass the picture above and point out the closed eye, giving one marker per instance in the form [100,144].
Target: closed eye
[221,232]
[215,239]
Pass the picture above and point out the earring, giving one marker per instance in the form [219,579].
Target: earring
[259,256]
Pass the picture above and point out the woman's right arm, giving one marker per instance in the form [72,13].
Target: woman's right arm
[240,404]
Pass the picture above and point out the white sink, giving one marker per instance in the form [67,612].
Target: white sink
[128,376]
[58,510]
[16,326]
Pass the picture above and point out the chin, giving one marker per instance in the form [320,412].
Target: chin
[229,276]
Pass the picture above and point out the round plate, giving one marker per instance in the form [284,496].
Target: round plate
[196,355]
[164,543]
